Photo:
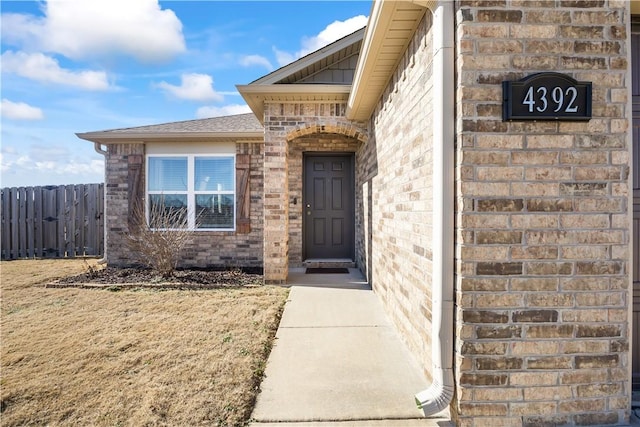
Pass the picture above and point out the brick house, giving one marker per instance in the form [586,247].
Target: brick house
[504,250]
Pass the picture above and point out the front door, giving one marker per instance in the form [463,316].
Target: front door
[329,216]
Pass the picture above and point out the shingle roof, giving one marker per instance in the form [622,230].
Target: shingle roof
[238,123]
[240,126]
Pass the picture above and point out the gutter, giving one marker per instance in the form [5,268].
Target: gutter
[438,396]
[98,147]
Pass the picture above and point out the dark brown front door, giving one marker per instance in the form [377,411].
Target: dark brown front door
[329,217]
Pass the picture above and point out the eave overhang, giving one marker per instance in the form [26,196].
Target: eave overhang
[256,95]
[174,137]
[390,29]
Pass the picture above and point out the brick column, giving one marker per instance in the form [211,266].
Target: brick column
[276,204]
[543,224]
[122,161]
[290,130]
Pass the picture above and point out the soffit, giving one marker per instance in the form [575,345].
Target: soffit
[390,29]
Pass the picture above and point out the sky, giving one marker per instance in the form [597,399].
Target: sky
[70,66]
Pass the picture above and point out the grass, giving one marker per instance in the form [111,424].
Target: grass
[145,357]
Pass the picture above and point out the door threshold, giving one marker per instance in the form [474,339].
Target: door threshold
[329,263]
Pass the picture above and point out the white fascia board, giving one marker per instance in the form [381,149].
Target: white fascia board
[295,89]
[365,93]
[379,21]
[141,137]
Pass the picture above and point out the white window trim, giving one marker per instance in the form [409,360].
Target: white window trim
[191,191]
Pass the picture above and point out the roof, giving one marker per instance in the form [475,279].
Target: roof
[241,126]
[291,82]
[378,47]
[315,62]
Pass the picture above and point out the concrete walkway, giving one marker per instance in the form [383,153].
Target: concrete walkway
[337,360]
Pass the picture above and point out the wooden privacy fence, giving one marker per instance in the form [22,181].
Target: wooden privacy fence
[52,221]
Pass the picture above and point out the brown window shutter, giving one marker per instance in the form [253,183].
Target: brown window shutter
[135,191]
[243,194]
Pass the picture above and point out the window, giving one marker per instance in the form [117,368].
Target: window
[199,190]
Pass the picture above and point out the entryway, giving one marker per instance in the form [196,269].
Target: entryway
[329,207]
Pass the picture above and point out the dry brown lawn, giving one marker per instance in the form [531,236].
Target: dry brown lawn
[132,357]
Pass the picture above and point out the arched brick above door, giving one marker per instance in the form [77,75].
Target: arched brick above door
[341,128]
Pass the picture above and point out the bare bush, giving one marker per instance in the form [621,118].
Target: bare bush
[158,240]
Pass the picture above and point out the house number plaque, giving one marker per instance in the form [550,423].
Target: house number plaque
[546,96]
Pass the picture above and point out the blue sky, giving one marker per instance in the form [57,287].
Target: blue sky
[84,65]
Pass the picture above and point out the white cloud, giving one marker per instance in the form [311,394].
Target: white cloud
[4,166]
[19,111]
[43,153]
[43,162]
[194,87]
[227,110]
[334,31]
[96,28]
[43,68]
[250,60]
[283,57]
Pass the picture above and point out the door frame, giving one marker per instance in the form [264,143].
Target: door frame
[305,226]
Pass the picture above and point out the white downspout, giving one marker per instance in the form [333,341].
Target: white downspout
[98,147]
[438,396]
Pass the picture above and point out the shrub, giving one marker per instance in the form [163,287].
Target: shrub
[158,240]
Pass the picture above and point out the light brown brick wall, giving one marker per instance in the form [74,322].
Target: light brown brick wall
[205,249]
[290,130]
[542,220]
[395,167]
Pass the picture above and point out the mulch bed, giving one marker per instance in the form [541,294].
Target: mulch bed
[127,278]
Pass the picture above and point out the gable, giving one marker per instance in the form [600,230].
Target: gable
[333,64]
[329,70]
[324,75]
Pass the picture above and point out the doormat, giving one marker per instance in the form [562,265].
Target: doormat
[334,270]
